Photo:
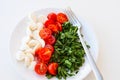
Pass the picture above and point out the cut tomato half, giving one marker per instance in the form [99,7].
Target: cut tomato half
[52,16]
[48,22]
[53,28]
[45,33]
[52,68]
[59,26]
[40,68]
[45,54]
[61,17]
[50,40]
[37,51]
[49,47]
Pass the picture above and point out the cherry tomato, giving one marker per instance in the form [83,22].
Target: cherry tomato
[40,68]
[48,22]
[37,51]
[45,54]
[59,26]
[52,16]
[52,68]
[45,61]
[45,33]
[61,17]
[38,60]
[50,40]
[49,47]
[53,28]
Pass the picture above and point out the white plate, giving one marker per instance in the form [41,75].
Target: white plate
[19,33]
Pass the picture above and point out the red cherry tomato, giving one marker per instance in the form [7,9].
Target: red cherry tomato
[45,33]
[40,68]
[45,61]
[38,60]
[50,40]
[52,16]
[59,26]
[52,68]
[61,17]
[48,22]
[37,51]
[53,28]
[45,54]
[49,47]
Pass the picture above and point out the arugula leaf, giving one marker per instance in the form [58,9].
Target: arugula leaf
[69,53]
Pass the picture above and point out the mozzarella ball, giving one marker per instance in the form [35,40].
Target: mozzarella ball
[32,43]
[29,50]
[32,65]
[24,47]
[42,18]
[36,47]
[28,59]
[33,27]
[26,40]
[42,42]
[31,57]
[20,56]
[28,31]
[36,35]
[40,26]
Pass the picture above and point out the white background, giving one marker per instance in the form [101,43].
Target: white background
[102,15]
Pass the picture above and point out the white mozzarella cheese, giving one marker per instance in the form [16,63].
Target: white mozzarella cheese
[29,50]
[37,46]
[31,57]
[33,26]
[36,35]
[32,43]
[28,31]
[41,18]
[28,59]
[40,26]
[26,40]
[20,56]
[24,47]
[42,42]
[32,65]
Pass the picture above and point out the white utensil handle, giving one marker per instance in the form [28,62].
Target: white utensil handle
[90,59]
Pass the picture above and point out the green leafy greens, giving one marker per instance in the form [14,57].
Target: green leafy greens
[69,53]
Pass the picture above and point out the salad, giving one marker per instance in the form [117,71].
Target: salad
[51,46]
